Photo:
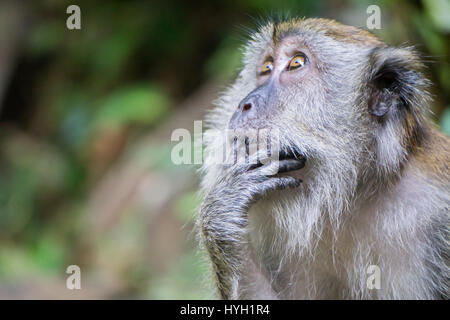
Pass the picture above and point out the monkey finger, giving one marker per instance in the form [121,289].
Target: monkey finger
[279,183]
[290,165]
[268,169]
[279,166]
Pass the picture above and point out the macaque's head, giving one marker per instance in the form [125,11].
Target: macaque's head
[335,94]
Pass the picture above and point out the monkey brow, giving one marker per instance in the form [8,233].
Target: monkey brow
[281,31]
[275,32]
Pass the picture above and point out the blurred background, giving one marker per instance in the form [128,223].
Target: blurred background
[85,123]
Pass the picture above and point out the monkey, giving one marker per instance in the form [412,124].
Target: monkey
[362,176]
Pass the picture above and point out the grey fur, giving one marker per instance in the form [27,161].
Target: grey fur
[366,199]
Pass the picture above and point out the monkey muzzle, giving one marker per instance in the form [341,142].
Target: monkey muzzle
[291,159]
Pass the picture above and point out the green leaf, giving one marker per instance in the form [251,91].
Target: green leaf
[49,254]
[225,62]
[445,121]
[438,11]
[138,104]
[186,206]
[45,37]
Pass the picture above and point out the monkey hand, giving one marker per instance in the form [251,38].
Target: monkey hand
[238,188]
[223,216]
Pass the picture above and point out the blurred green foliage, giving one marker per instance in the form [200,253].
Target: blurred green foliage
[137,104]
[78,99]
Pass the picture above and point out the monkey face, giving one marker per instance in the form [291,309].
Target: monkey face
[339,96]
[283,72]
[298,89]
[280,71]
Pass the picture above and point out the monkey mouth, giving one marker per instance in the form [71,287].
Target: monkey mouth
[291,154]
[290,159]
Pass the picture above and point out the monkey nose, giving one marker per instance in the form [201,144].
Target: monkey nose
[246,107]
[250,112]
[250,102]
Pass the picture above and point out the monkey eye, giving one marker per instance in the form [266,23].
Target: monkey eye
[266,68]
[297,61]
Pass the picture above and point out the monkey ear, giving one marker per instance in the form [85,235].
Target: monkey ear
[396,83]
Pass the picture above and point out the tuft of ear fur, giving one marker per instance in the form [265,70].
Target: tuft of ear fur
[397,81]
[398,100]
